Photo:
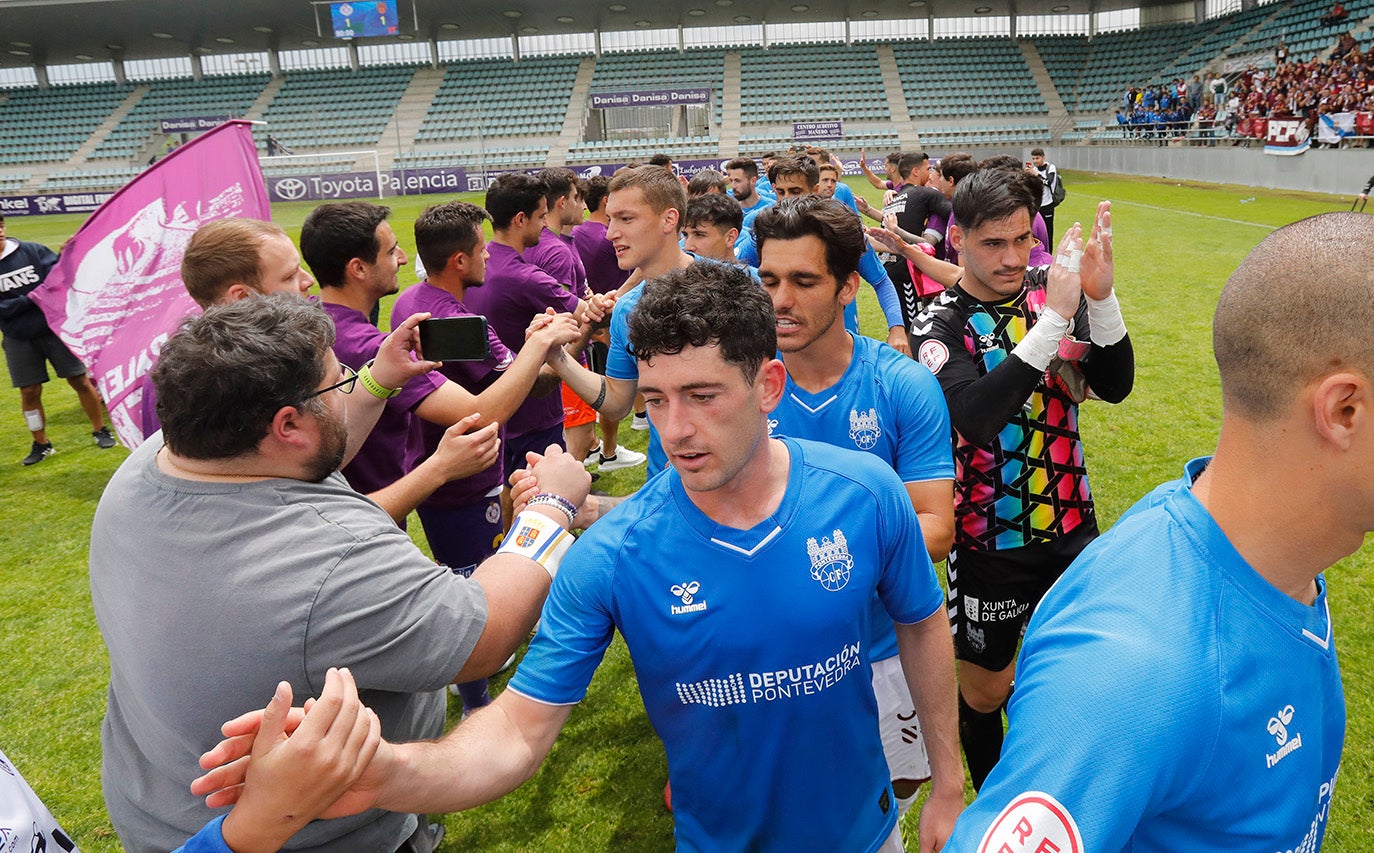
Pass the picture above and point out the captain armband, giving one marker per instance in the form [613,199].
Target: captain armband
[539,538]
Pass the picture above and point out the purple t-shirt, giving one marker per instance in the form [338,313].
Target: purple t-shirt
[381,460]
[472,375]
[555,255]
[598,257]
[515,291]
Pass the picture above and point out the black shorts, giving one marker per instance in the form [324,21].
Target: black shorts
[514,447]
[993,593]
[27,359]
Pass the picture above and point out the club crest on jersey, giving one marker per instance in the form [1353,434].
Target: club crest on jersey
[687,592]
[864,429]
[493,513]
[1278,727]
[831,562]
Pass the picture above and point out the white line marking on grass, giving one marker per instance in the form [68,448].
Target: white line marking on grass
[1199,215]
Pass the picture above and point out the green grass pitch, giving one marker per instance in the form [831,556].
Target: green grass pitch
[601,788]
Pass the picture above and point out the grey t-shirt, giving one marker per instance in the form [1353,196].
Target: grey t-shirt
[208,594]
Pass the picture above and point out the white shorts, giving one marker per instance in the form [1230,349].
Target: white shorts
[903,743]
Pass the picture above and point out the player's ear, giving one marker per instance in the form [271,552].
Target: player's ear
[773,381]
[956,238]
[1341,409]
[850,289]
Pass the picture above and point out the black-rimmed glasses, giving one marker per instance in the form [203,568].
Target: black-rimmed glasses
[346,384]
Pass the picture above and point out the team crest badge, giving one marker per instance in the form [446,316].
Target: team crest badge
[864,429]
[831,562]
[527,535]
[493,514]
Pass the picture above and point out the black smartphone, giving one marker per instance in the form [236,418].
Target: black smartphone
[455,339]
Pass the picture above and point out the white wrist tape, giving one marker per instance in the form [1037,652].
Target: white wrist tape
[1105,323]
[539,538]
[1041,343]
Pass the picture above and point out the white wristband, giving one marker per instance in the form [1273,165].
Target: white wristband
[1106,326]
[1041,344]
[539,538]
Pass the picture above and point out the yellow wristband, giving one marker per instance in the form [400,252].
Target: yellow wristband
[373,386]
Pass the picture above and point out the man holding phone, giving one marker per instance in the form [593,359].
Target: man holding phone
[355,256]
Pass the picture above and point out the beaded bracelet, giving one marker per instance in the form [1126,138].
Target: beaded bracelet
[560,503]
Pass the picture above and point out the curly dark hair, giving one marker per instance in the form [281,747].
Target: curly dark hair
[837,226]
[224,375]
[703,304]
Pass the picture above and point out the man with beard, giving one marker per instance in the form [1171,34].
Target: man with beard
[229,554]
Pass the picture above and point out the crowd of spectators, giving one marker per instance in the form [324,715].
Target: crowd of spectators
[1335,82]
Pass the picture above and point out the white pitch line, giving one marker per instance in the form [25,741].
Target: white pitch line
[1199,215]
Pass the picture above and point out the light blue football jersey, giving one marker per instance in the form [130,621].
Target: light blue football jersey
[884,404]
[1167,698]
[750,647]
[621,364]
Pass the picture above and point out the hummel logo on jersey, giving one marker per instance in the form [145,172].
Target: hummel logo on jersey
[772,425]
[830,561]
[1278,727]
[864,429]
[687,592]
[986,343]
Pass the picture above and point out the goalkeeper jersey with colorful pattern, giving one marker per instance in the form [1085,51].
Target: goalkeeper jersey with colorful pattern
[1029,484]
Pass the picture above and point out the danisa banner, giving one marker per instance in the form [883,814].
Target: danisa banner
[1286,136]
[651,98]
[802,130]
[116,293]
[191,124]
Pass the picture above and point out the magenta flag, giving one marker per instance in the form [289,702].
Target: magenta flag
[116,293]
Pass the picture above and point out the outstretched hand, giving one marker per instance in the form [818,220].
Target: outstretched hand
[294,766]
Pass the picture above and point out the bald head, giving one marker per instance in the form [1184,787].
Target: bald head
[1299,307]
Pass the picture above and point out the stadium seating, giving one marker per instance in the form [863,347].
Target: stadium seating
[615,150]
[967,77]
[48,125]
[497,97]
[804,82]
[88,179]
[176,99]
[1119,60]
[336,108]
